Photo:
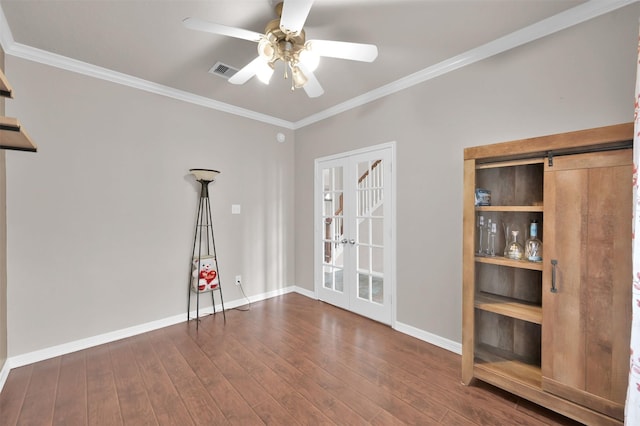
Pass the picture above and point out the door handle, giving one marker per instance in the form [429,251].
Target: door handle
[344,241]
[352,241]
[554,263]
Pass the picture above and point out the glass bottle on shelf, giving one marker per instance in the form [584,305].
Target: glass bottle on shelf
[480,237]
[514,248]
[491,245]
[487,236]
[509,228]
[533,246]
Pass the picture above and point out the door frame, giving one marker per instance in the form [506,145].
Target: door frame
[318,229]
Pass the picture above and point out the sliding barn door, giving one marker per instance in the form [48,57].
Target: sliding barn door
[587,296]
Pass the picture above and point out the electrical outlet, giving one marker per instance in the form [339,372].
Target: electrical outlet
[238,279]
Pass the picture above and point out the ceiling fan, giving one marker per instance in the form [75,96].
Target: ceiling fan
[284,40]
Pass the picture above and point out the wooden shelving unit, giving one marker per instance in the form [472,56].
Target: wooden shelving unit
[490,361]
[503,261]
[5,88]
[510,208]
[510,307]
[517,327]
[12,135]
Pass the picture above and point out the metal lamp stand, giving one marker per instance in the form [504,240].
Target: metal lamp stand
[204,247]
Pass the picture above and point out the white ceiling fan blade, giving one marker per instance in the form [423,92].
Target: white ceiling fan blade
[294,14]
[312,86]
[210,27]
[248,71]
[344,50]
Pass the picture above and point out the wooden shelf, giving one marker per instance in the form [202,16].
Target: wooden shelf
[524,379]
[13,136]
[533,209]
[513,308]
[503,261]
[5,87]
[511,163]
[491,361]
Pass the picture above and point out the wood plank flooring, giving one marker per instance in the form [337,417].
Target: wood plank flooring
[288,360]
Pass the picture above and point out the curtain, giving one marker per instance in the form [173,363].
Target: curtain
[632,409]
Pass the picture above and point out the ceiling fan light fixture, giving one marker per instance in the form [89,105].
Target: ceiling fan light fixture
[266,48]
[299,79]
[264,71]
[309,58]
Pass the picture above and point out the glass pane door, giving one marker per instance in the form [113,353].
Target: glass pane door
[353,230]
[333,223]
[370,241]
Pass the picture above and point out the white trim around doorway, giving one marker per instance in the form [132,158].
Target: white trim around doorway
[317,213]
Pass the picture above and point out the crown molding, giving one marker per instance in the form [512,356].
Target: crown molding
[6,38]
[540,29]
[574,16]
[69,64]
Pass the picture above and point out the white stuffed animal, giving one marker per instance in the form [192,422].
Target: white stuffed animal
[207,279]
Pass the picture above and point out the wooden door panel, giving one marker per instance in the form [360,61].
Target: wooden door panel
[563,347]
[607,293]
[586,323]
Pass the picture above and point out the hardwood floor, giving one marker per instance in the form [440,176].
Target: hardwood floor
[288,360]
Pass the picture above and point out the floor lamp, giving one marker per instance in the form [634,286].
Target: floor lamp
[203,271]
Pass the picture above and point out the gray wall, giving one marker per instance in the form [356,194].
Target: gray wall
[3,244]
[579,78]
[101,219]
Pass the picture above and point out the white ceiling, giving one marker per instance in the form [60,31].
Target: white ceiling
[144,44]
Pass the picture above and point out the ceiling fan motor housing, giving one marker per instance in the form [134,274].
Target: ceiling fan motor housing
[278,44]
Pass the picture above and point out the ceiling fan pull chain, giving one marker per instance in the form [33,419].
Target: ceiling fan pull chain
[293,75]
[293,82]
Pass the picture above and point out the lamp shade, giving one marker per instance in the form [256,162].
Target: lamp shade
[309,58]
[264,71]
[299,79]
[208,175]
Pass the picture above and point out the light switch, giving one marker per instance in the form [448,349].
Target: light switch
[235,208]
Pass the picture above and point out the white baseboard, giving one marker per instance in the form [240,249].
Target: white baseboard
[65,348]
[4,373]
[77,345]
[434,339]
[303,291]
[425,336]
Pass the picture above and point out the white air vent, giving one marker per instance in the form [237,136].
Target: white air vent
[223,70]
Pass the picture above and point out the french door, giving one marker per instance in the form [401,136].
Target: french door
[353,231]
